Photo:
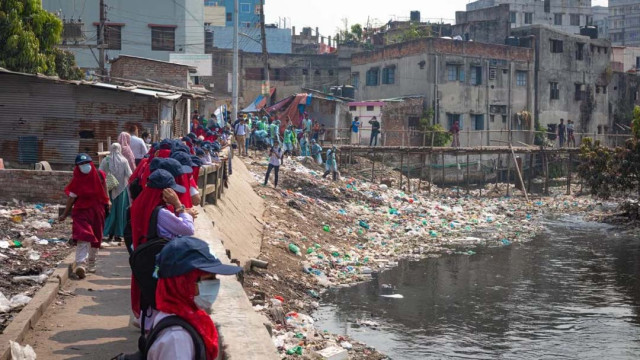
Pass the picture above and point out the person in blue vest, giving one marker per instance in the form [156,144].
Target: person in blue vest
[331,164]
[316,151]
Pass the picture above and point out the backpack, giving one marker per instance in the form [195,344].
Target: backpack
[145,342]
[143,263]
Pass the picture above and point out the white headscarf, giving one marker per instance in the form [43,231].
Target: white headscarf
[119,167]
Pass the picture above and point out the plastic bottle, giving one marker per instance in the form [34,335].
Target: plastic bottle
[326,228]
[294,249]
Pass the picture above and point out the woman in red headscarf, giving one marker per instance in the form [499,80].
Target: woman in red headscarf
[88,198]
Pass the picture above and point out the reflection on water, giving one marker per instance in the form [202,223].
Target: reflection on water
[571,293]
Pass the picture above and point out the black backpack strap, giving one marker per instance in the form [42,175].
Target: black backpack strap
[173,320]
[152,232]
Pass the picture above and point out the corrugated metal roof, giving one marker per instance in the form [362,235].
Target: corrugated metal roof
[136,90]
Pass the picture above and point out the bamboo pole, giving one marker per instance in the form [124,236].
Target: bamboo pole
[401,165]
[443,174]
[569,164]
[509,174]
[513,156]
[468,174]
[531,156]
[373,166]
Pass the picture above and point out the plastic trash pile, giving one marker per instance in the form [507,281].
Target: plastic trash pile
[32,243]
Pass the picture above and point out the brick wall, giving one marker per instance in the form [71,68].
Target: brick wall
[134,68]
[34,186]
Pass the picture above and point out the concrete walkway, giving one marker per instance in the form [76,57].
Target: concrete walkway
[93,323]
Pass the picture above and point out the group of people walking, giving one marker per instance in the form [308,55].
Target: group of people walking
[148,201]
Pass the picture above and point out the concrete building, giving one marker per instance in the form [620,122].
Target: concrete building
[137,68]
[248,12]
[483,86]
[625,58]
[624,22]
[278,40]
[601,20]
[487,25]
[571,77]
[565,15]
[393,31]
[289,74]
[144,28]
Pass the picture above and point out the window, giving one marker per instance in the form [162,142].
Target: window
[579,93]
[604,89]
[452,118]
[455,73]
[492,118]
[389,75]
[163,38]
[492,73]
[369,107]
[557,19]
[276,74]
[229,17]
[355,79]
[579,51]
[574,19]
[521,78]
[504,119]
[478,121]
[556,46]
[352,108]
[547,6]
[476,75]
[373,76]
[306,72]
[330,72]
[245,8]
[112,36]
[208,41]
[245,24]
[257,10]
[422,64]
[512,17]
[528,18]
[554,93]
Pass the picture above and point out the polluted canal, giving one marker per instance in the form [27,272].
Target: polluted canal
[572,292]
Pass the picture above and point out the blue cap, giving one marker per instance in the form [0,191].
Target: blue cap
[83,158]
[183,158]
[200,151]
[162,179]
[178,146]
[192,136]
[196,160]
[166,144]
[184,254]
[171,165]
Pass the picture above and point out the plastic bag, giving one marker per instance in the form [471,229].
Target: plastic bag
[22,352]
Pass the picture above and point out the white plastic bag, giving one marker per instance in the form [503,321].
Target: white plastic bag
[21,352]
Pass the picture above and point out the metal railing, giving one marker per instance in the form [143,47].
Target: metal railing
[467,138]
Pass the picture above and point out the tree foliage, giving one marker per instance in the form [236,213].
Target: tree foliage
[28,34]
[415,32]
[609,171]
[435,132]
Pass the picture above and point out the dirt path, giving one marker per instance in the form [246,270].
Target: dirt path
[93,323]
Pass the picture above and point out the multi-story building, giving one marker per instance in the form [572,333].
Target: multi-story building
[601,20]
[248,12]
[482,86]
[144,28]
[624,22]
[565,15]
[572,76]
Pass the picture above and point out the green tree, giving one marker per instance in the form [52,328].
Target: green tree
[356,31]
[435,132]
[414,32]
[28,34]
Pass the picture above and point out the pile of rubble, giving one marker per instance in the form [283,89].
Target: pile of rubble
[320,234]
[32,243]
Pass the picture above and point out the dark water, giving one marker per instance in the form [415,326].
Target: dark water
[573,293]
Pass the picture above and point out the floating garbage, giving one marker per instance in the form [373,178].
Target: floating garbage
[393,296]
[294,249]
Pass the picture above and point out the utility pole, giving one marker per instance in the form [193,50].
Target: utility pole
[101,44]
[234,75]
[266,87]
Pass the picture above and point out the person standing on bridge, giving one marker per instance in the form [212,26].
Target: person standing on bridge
[355,131]
[88,198]
[562,130]
[455,131]
[375,130]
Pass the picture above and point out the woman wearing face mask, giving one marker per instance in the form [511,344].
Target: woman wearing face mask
[88,198]
[187,288]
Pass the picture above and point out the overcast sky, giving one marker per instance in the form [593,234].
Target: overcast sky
[328,14]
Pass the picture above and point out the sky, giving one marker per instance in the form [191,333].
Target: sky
[328,15]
